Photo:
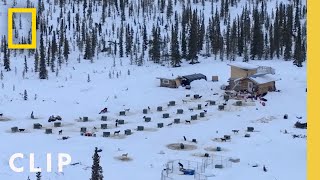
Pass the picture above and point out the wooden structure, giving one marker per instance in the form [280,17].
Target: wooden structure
[176,121]
[160,125]
[48,131]
[14,129]
[170,83]
[106,134]
[127,132]
[104,118]
[215,78]
[179,111]
[147,119]
[104,126]
[251,78]
[121,121]
[140,128]
[166,115]
[57,124]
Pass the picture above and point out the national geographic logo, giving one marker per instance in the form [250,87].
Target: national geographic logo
[33,44]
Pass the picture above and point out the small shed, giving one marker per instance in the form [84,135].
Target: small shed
[170,83]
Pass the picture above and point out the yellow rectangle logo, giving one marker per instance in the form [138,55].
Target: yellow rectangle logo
[33,44]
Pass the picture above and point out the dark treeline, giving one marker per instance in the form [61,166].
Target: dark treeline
[163,31]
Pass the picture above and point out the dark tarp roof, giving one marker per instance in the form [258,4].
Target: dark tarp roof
[193,77]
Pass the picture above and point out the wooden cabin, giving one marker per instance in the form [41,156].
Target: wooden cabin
[246,77]
[170,83]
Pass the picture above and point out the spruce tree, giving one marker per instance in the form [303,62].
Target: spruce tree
[36,61]
[298,51]
[6,56]
[193,39]
[25,95]
[25,64]
[66,50]
[175,54]
[155,45]
[96,169]
[257,43]
[43,74]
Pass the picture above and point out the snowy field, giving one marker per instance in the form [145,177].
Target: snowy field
[71,97]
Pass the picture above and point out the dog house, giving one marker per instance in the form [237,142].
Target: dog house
[215,78]
[104,118]
[106,134]
[165,115]
[221,107]
[48,131]
[212,103]
[250,129]
[57,124]
[145,111]
[37,126]
[172,103]
[121,121]
[140,128]
[122,113]
[202,114]
[160,125]
[159,108]
[147,119]
[85,119]
[199,107]
[179,111]
[127,132]
[104,126]
[14,129]
[176,121]
[194,117]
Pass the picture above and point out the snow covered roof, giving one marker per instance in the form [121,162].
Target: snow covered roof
[243,65]
[263,78]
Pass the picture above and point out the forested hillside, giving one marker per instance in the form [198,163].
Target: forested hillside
[161,31]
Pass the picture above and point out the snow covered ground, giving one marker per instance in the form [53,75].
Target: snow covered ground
[71,96]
